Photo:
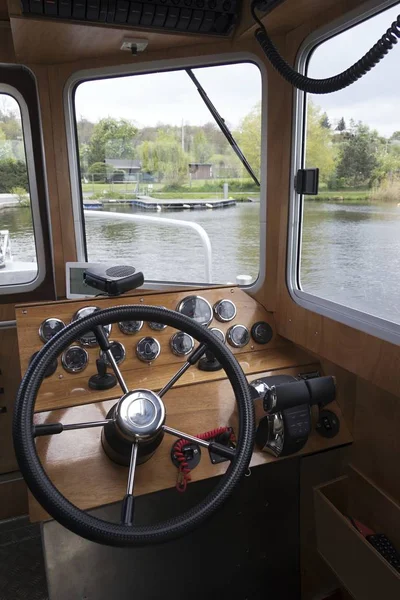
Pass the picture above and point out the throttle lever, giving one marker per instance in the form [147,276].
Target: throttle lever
[317,391]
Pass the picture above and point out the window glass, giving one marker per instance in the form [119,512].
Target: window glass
[149,146]
[350,243]
[18,258]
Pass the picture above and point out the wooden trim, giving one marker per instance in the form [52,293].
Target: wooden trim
[13,494]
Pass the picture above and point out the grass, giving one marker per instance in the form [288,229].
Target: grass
[349,196]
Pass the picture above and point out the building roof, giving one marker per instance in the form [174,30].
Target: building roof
[124,163]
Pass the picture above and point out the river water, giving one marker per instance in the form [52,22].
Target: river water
[350,253]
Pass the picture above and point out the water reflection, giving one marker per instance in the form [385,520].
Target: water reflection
[351,255]
[176,254]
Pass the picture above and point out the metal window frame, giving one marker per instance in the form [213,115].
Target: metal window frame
[154,67]
[34,198]
[376,326]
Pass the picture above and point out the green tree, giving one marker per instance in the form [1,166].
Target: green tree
[85,130]
[320,151]
[359,156]
[164,158]
[201,148]
[111,138]
[341,126]
[249,138]
[325,121]
[395,136]
[13,174]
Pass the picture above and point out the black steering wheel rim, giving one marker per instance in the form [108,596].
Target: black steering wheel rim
[81,522]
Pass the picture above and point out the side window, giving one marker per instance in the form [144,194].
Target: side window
[19,230]
[151,155]
[350,240]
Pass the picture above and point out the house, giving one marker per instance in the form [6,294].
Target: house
[130,167]
[201,170]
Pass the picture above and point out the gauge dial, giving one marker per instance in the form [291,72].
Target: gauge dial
[238,336]
[157,326]
[75,359]
[181,343]
[148,349]
[49,328]
[118,352]
[130,327]
[88,338]
[196,308]
[218,333]
[51,369]
[224,310]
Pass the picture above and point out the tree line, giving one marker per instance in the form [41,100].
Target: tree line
[13,173]
[165,151]
[350,155]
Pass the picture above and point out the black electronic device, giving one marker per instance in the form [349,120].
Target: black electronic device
[113,281]
[210,17]
[287,402]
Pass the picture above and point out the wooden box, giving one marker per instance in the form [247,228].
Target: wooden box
[359,567]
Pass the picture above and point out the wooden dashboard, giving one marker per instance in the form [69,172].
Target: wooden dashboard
[200,401]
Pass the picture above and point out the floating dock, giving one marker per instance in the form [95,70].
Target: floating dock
[152,204]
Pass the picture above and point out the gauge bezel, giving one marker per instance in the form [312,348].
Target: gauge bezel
[125,332]
[42,325]
[71,369]
[104,356]
[212,329]
[158,349]
[174,349]
[218,316]
[186,298]
[231,341]
[92,341]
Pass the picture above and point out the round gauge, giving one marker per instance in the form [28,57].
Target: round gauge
[218,333]
[261,332]
[74,359]
[238,336]
[157,326]
[181,343]
[196,308]
[118,352]
[148,349]
[88,338]
[49,328]
[51,369]
[224,310]
[130,327]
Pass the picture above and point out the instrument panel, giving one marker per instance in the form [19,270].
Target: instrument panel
[230,313]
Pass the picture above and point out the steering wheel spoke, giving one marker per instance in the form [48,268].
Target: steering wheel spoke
[128,503]
[54,428]
[192,360]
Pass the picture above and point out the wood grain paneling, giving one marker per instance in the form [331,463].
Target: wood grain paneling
[9,381]
[77,456]
[51,42]
[65,389]
[13,494]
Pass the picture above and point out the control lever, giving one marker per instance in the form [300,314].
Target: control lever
[102,380]
[209,362]
[320,391]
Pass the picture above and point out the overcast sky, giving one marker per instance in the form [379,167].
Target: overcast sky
[375,99]
[172,97]
[235,89]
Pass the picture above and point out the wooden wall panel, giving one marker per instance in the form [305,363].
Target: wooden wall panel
[9,382]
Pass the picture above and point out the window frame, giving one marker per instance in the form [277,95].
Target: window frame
[357,319]
[19,288]
[147,68]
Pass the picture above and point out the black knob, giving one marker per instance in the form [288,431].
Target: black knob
[102,380]
[261,332]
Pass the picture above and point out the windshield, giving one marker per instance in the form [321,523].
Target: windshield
[150,147]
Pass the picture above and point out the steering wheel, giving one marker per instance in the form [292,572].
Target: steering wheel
[138,420]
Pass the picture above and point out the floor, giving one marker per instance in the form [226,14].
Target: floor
[22,573]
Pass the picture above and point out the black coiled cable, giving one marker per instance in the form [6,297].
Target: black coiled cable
[331,84]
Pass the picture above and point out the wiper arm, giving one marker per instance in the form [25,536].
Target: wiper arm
[223,126]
